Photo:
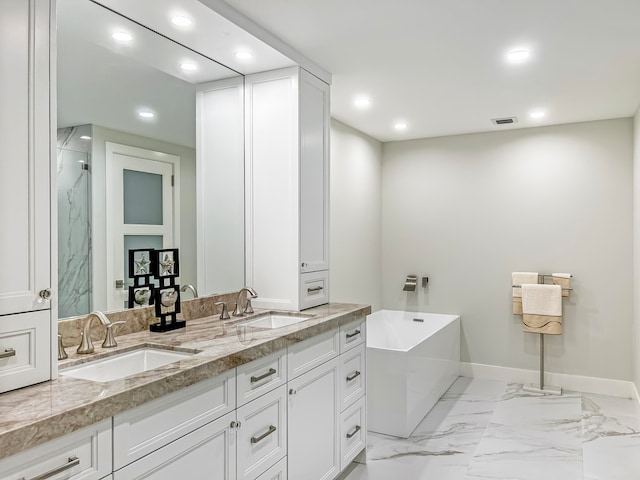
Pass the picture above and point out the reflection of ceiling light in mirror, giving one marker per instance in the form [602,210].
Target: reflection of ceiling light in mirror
[519,55]
[146,114]
[122,36]
[362,102]
[243,55]
[85,137]
[400,126]
[188,67]
[538,114]
[181,21]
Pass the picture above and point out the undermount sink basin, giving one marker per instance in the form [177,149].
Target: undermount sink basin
[275,321]
[124,364]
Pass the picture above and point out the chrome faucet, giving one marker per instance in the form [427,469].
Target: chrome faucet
[188,286]
[86,345]
[248,308]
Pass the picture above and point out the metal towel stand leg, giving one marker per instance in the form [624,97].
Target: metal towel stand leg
[542,388]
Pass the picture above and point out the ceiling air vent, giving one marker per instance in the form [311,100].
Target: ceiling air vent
[504,121]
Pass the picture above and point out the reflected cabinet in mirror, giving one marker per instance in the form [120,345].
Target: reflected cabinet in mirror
[150,156]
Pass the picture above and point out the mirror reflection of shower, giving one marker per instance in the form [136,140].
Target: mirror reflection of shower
[74,221]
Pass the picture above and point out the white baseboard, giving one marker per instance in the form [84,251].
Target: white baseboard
[577,383]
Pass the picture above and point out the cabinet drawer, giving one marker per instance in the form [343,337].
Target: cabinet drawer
[352,375]
[277,472]
[208,452]
[314,289]
[353,432]
[314,351]
[143,429]
[84,454]
[262,436]
[352,334]
[261,376]
[25,346]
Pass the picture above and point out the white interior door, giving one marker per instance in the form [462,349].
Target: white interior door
[142,210]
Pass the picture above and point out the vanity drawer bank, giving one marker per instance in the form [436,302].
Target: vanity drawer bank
[41,413]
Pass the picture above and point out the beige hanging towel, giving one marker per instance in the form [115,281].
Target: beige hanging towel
[542,309]
[517,279]
[564,280]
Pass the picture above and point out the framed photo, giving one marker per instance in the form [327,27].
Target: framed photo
[166,263]
[141,262]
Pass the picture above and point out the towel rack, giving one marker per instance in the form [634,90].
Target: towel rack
[551,275]
[520,286]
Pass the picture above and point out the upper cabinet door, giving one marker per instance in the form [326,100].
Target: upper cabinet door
[314,174]
[25,153]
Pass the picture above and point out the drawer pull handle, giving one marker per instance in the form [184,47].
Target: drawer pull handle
[350,335]
[313,289]
[8,352]
[355,430]
[264,435]
[71,462]
[354,376]
[271,371]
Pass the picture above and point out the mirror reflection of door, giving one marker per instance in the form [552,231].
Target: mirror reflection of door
[142,212]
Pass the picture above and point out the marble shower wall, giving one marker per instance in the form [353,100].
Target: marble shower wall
[74,228]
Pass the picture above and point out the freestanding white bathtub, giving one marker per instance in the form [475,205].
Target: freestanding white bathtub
[412,359]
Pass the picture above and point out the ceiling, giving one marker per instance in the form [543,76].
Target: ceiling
[440,65]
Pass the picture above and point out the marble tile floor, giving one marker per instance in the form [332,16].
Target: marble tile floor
[485,429]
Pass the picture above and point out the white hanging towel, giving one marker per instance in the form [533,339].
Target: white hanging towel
[517,279]
[542,309]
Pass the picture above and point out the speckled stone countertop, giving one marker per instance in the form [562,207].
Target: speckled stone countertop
[39,413]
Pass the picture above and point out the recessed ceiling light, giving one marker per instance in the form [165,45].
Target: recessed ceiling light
[400,125]
[519,55]
[188,66]
[243,55]
[362,102]
[85,137]
[181,21]
[146,114]
[122,36]
[538,114]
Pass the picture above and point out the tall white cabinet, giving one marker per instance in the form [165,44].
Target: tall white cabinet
[25,193]
[287,188]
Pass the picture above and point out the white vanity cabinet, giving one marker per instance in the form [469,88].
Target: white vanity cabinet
[208,452]
[25,194]
[287,188]
[82,455]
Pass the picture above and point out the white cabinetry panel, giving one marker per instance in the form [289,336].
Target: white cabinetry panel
[25,346]
[81,455]
[143,429]
[313,423]
[208,452]
[262,434]
[24,155]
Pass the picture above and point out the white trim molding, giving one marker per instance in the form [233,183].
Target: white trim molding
[577,383]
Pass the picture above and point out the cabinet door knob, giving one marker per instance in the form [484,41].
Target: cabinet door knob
[292,391]
[235,424]
[46,293]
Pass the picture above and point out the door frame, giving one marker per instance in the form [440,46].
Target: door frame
[112,149]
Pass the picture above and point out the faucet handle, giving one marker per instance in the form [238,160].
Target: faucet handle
[61,352]
[224,314]
[109,339]
[248,307]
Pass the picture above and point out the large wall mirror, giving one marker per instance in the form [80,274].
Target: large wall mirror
[127,149]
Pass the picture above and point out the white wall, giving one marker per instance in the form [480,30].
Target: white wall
[468,210]
[636,248]
[355,235]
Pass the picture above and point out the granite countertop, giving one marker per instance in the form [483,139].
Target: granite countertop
[39,413]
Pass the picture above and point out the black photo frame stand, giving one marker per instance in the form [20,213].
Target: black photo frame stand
[140,269]
[166,268]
